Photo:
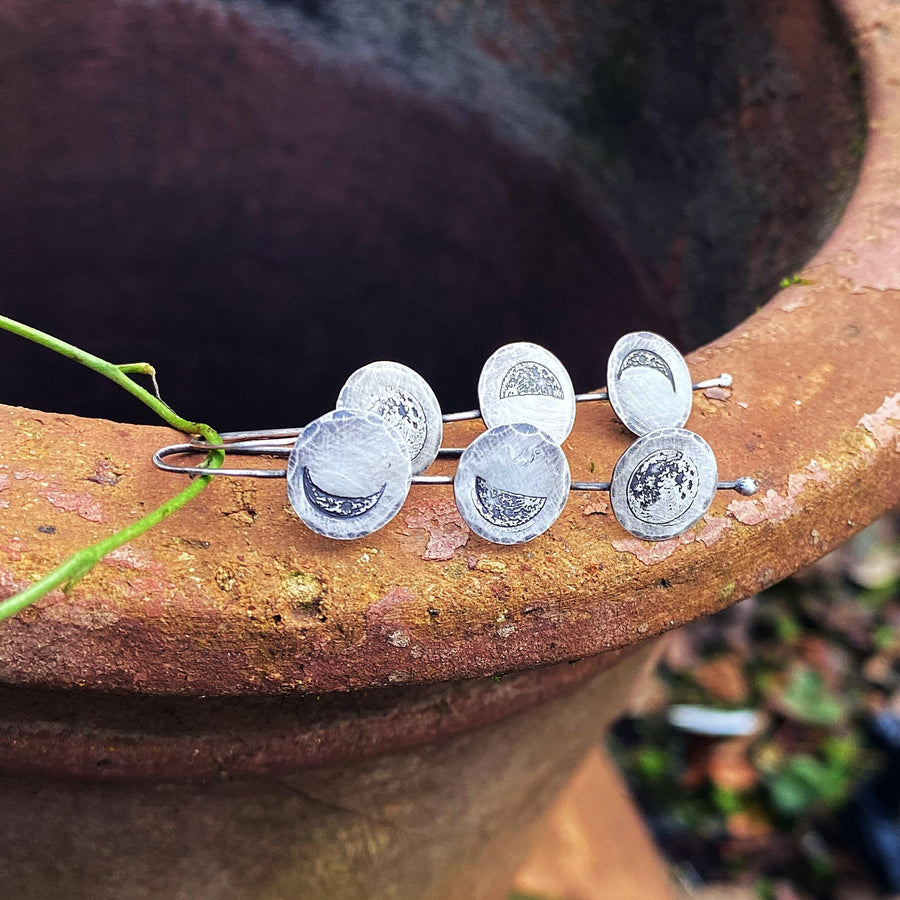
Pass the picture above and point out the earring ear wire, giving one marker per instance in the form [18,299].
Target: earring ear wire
[349,471]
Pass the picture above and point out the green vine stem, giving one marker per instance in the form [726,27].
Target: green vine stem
[81,562]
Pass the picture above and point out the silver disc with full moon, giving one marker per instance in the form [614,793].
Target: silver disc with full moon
[511,484]
[348,474]
[663,483]
[523,382]
[405,400]
[648,383]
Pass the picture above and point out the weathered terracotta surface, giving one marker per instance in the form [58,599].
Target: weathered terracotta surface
[200,652]
[594,843]
[91,736]
[449,821]
[232,595]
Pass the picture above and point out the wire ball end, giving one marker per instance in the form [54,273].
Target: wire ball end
[746,486]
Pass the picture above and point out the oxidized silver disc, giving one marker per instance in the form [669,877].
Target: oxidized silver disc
[348,474]
[404,399]
[511,484]
[648,383]
[663,483]
[525,383]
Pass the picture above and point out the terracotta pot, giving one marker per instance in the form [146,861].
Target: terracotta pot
[258,197]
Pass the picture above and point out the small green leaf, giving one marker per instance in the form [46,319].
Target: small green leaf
[727,801]
[790,796]
[807,699]
[806,782]
[652,763]
[884,636]
[791,280]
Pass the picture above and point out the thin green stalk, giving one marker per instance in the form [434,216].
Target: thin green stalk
[82,561]
[141,369]
[118,374]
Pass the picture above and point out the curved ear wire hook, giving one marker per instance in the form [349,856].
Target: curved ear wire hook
[179,449]
[277,447]
[661,486]
[238,450]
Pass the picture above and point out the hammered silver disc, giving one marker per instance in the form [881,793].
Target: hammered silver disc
[348,474]
[648,383]
[525,383]
[404,399]
[511,484]
[663,483]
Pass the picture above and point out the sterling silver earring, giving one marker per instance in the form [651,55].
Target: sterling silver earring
[648,384]
[405,400]
[665,482]
[349,472]
[512,483]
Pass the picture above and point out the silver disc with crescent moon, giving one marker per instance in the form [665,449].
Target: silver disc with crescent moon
[348,474]
[511,484]
[523,382]
[663,483]
[648,383]
[405,400]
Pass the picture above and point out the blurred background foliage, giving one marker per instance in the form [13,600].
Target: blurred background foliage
[795,791]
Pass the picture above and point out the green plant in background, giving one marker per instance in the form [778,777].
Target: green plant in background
[814,656]
[805,698]
[71,571]
[805,782]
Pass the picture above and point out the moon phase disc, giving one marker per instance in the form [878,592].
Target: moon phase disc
[348,474]
[532,378]
[662,487]
[405,400]
[334,504]
[646,359]
[511,484]
[648,383]
[523,382]
[505,509]
[663,483]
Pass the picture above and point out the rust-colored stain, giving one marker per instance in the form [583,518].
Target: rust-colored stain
[774,507]
[884,423]
[595,508]
[708,531]
[233,596]
[447,532]
[79,502]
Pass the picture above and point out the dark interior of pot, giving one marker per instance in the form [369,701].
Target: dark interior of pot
[259,197]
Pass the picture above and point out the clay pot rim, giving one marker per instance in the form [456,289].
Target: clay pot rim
[812,415]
